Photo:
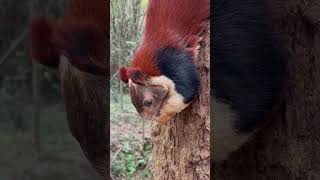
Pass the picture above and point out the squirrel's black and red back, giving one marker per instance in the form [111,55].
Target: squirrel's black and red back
[163,78]
[170,44]
[171,24]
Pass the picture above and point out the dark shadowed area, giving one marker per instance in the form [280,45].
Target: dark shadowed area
[35,141]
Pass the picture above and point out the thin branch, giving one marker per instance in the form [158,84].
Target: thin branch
[114,76]
[14,45]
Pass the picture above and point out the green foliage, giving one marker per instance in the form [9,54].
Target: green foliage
[130,156]
[119,168]
[144,4]
[146,173]
[131,165]
[130,160]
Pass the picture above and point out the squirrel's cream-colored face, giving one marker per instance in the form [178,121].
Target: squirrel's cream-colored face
[147,99]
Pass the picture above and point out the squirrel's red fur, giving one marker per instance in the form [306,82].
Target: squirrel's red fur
[173,23]
[81,34]
[91,11]
[42,48]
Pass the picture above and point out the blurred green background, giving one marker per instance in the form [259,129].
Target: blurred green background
[130,136]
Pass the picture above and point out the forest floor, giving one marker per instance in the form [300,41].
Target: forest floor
[129,142]
[61,157]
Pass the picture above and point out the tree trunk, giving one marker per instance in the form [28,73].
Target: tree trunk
[86,99]
[36,92]
[181,147]
[288,147]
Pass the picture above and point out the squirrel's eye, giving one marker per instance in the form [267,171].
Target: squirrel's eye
[147,102]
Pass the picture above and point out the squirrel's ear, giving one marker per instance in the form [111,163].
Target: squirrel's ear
[123,74]
[136,76]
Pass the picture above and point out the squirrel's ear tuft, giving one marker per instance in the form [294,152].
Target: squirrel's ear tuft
[134,74]
[123,74]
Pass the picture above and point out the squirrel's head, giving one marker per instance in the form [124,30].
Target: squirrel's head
[147,98]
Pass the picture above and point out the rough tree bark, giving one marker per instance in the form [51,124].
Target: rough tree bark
[288,147]
[86,99]
[181,148]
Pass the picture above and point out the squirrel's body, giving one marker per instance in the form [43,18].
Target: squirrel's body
[166,56]
[248,72]
[81,35]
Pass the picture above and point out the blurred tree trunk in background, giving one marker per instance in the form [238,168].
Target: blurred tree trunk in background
[36,89]
[288,148]
[127,18]
[181,147]
[17,118]
[120,88]
[36,106]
